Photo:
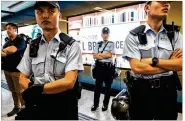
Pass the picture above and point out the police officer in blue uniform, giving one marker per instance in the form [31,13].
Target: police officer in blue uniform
[104,73]
[54,59]
[153,59]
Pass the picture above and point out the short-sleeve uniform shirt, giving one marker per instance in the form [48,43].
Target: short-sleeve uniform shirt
[158,45]
[43,65]
[108,46]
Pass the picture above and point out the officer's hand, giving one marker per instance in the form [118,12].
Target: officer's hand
[147,61]
[3,54]
[176,54]
[30,84]
[33,94]
[100,56]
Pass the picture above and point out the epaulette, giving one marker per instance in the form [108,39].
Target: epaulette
[111,42]
[100,42]
[170,27]
[66,39]
[36,41]
[137,30]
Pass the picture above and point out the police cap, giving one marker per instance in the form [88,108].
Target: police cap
[148,2]
[105,30]
[54,4]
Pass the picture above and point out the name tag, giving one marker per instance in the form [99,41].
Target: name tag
[53,54]
[61,59]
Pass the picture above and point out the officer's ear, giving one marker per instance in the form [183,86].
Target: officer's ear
[101,34]
[147,8]
[60,16]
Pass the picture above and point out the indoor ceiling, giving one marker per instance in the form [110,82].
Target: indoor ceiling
[22,12]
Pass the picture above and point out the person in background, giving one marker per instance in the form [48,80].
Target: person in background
[12,53]
[103,53]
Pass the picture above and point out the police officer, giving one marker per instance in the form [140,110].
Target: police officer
[12,53]
[103,54]
[152,60]
[55,74]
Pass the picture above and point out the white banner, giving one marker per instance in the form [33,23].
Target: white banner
[89,36]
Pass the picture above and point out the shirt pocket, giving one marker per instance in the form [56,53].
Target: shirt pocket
[108,48]
[165,50]
[38,66]
[60,64]
[146,51]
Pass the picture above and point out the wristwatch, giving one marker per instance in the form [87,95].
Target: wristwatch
[154,61]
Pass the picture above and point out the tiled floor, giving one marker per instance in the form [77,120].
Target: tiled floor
[85,104]
[6,104]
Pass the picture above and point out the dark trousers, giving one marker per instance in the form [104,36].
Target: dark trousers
[153,103]
[62,106]
[104,74]
[98,91]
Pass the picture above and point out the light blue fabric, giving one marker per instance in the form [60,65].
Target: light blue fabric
[110,47]
[42,66]
[158,45]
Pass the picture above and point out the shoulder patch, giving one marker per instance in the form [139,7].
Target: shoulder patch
[137,30]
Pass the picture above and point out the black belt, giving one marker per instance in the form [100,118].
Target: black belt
[107,64]
[158,82]
[155,83]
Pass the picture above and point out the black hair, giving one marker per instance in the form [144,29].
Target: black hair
[13,26]
[148,2]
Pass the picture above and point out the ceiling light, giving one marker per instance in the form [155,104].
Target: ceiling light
[4,22]
[16,4]
[101,9]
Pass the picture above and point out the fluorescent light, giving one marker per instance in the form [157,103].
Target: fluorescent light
[4,22]
[7,22]
[16,4]
[97,8]
[101,9]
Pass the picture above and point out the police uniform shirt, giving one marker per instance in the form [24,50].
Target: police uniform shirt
[42,66]
[158,45]
[110,47]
